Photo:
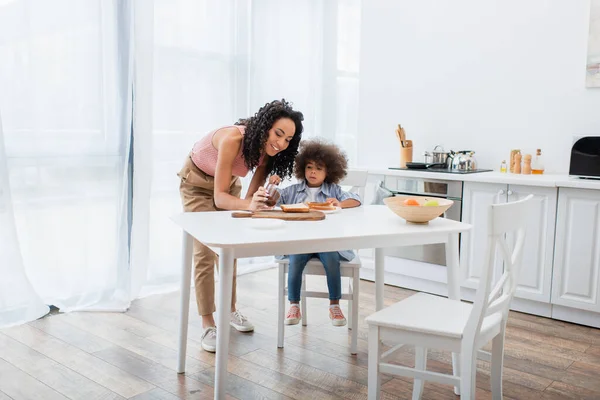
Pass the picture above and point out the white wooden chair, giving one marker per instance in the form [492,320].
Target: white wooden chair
[356,180]
[428,321]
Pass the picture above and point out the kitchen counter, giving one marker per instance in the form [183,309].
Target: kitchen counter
[559,258]
[544,180]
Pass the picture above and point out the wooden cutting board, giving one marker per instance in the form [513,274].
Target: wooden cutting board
[307,216]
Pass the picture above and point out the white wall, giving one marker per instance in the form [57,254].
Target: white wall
[486,75]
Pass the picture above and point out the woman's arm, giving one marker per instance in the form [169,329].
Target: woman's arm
[228,144]
[258,180]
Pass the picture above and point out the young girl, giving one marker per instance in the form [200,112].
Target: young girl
[319,167]
[210,180]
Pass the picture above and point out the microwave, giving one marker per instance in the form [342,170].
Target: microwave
[585,158]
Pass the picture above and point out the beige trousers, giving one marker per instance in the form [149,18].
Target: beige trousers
[197,194]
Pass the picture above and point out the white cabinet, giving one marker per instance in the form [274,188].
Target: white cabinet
[536,269]
[576,281]
[477,198]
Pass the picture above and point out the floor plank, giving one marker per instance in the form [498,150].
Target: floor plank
[240,387]
[53,374]
[103,373]
[134,354]
[18,385]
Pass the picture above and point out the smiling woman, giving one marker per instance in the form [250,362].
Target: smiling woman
[210,180]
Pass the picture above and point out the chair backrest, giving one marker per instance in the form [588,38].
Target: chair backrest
[357,180]
[506,237]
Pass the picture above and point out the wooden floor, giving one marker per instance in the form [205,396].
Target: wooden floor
[133,355]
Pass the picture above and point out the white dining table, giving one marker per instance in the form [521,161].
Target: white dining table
[371,226]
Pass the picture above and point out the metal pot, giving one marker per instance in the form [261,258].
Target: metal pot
[439,156]
[463,161]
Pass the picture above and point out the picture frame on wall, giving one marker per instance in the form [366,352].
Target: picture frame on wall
[593,55]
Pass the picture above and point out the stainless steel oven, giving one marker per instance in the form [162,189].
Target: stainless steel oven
[452,190]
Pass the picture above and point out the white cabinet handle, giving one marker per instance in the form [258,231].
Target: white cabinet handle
[501,192]
[510,192]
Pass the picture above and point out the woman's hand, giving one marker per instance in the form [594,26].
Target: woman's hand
[275,179]
[333,201]
[258,200]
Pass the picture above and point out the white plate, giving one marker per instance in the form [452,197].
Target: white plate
[337,210]
[265,223]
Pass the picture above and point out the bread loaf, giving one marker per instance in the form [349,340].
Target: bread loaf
[295,208]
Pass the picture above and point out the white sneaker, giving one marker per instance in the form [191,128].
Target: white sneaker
[240,322]
[209,339]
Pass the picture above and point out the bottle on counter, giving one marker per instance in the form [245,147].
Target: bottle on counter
[537,165]
[503,167]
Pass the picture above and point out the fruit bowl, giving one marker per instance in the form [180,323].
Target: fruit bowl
[425,211]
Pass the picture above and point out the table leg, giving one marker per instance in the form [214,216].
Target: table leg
[223,318]
[184,305]
[453,271]
[379,279]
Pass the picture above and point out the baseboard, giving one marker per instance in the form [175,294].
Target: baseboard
[582,317]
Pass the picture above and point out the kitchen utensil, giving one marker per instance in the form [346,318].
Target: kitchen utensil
[526,164]
[399,139]
[511,166]
[420,214]
[439,156]
[427,157]
[402,135]
[463,161]
[517,167]
[277,214]
[420,165]
[406,154]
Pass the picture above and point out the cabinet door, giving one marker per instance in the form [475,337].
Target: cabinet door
[535,276]
[477,198]
[576,273]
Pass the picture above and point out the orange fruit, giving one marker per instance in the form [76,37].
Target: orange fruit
[411,202]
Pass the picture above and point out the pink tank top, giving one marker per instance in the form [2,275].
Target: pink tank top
[204,155]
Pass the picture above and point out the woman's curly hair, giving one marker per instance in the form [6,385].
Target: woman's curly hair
[257,133]
[321,152]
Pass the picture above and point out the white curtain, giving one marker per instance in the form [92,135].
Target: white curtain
[19,303]
[80,79]
[211,63]
[65,97]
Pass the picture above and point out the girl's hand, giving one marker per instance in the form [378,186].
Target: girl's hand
[258,200]
[334,202]
[275,179]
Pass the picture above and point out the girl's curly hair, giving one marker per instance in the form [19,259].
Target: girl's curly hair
[321,152]
[257,133]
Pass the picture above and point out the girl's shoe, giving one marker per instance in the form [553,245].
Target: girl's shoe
[336,315]
[293,315]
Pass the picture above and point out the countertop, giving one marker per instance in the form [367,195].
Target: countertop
[545,180]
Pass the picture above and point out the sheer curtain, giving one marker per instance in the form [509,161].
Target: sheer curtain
[215,62]
[18,301]
[66,102]
[103,99]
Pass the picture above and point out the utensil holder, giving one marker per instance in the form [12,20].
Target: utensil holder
[406,155]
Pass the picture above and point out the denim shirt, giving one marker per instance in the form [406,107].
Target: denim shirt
[298,193]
